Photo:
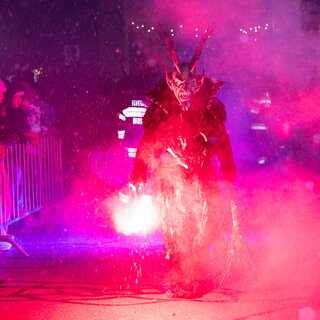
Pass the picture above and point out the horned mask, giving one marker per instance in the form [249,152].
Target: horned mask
[183,80]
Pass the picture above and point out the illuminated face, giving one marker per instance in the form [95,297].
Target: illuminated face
[184,85]
[17,99]
[184,90]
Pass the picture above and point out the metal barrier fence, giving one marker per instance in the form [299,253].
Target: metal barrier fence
[30,178]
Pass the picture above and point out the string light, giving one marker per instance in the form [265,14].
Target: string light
[255,29]
[142,27]
[148,29]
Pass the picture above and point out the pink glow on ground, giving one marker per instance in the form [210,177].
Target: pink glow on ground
[282,214]
[279,210]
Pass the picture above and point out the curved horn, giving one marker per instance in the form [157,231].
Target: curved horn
[202,78]
[196,56]
[168,80]
[171,49]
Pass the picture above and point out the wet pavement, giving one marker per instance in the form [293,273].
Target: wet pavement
[102,275]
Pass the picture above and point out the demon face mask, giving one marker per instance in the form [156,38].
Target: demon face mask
[185,84]
[184,81]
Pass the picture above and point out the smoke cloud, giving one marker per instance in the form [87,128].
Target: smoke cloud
[260,47]
[257,47]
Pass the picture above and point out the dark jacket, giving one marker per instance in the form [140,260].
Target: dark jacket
[17,125]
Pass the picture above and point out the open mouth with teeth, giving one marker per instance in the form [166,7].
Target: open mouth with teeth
[184,96]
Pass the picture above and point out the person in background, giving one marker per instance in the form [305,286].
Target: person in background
[3,112]
[17,117]
[42,111]
[17,129]
[5,192]
[23,116]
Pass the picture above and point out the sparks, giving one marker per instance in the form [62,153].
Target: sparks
[137,217]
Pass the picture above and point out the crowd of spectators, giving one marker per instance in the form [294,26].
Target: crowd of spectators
[80,106]
[21,121]
[20,114]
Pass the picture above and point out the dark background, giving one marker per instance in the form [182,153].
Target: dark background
[95,56]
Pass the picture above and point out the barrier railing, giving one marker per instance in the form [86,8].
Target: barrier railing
[30,178]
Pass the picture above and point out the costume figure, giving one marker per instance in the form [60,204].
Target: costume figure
[184,143]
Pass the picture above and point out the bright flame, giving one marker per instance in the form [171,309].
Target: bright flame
[139,216]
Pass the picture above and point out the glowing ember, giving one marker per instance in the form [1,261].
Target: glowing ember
[138,216]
